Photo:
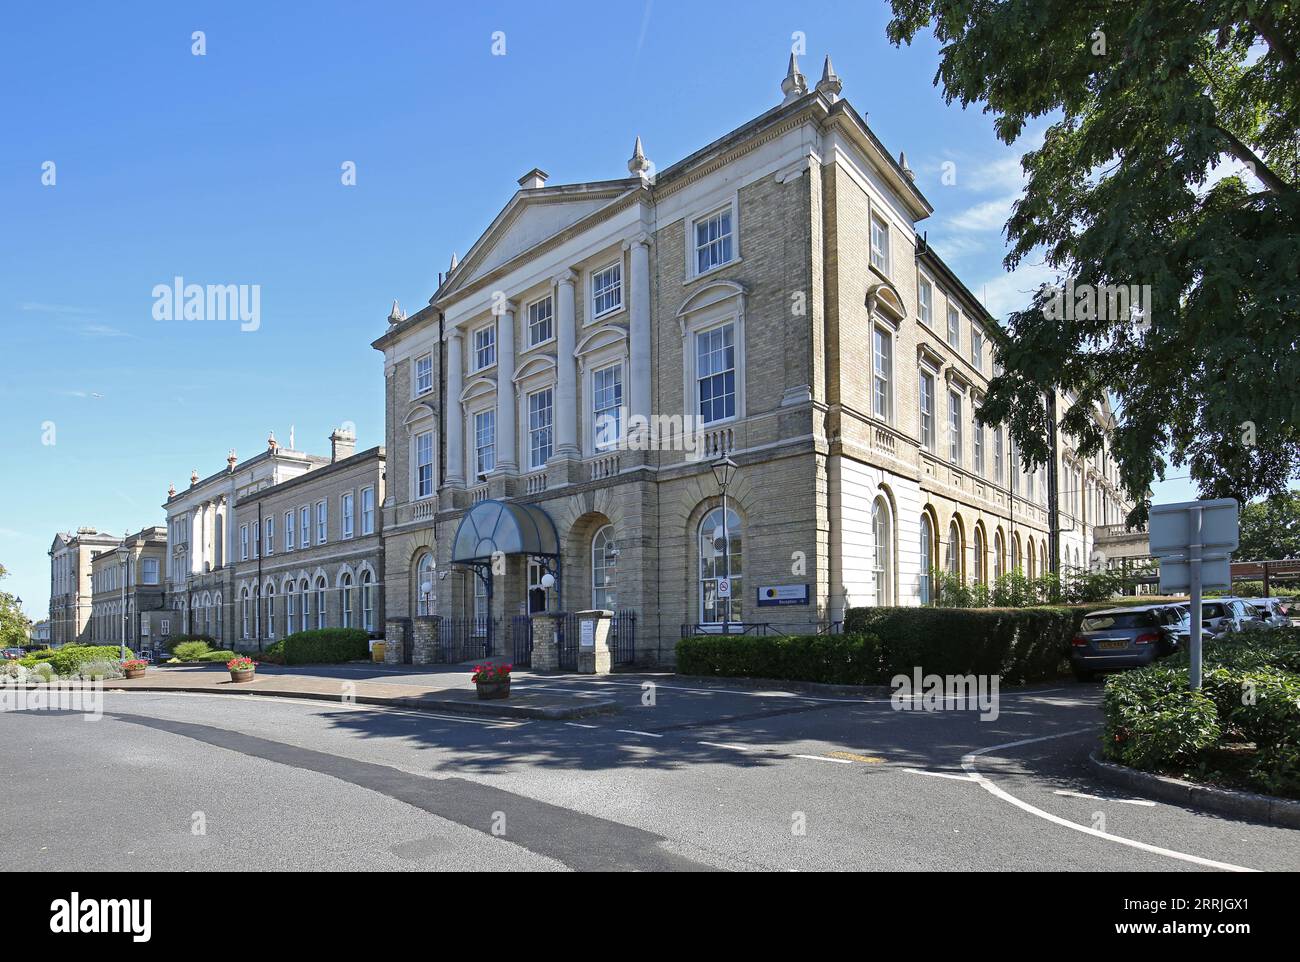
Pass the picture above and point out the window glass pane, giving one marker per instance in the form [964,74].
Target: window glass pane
[607,404]
[715,362]
[540,416]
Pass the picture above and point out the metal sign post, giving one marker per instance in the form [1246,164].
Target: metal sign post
[1194,541]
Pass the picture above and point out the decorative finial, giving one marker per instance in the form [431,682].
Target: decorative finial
[902,162]
[230,460]
[395,316]
[454,262]
[829,86]
[794,85]
[171,490]
[271,444]
[638,166]
[291,432]
[194,477]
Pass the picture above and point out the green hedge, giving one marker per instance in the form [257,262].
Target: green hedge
[836,659]
[325,645]
[1018,644]
[1250,695]
[192,650]
[66,660]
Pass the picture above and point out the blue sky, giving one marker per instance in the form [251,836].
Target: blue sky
[226,169]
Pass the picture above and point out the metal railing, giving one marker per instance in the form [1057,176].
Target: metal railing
[466,639]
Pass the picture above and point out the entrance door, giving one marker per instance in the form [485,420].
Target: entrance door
[538,597]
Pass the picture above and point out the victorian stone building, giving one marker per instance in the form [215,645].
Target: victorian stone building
[309,551]
[555,412]
[71,588]
[128,579]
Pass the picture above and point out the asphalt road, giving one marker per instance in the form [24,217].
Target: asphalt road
[707,777]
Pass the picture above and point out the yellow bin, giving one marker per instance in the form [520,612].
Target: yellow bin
[377,651]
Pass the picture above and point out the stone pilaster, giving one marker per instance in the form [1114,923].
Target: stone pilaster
[594,627]
[395,641]
[546,646]
[566,389]
[507,439]
[424,639]
[455,411]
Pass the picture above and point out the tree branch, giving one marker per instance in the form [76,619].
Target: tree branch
[1247,156]
[1268,30]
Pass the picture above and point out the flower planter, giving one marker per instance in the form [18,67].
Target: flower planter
[238,676]
[135,673]
[489,690]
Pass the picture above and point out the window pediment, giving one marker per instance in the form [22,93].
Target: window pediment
[534,366]
[417,412]
[711,295]
[478,387]
[602,337]
[883,300]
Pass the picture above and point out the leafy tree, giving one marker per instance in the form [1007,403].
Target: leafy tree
[14,625]
[1270,529]
[1154,103]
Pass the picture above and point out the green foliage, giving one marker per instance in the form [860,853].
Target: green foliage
[222,656]
[66,661]
[1250,694]
[848,659]
[190,650]
[15,627]
[1019,644]
[176,640]
[1016,590]
[326,645]
[272,654]
[1270,529]
[1151,103]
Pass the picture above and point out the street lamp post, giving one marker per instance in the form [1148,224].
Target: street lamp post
[123,554]
[723,470]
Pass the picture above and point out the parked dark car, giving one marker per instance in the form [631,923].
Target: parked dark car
[1128,638]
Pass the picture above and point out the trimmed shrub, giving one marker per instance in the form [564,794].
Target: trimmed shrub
[190,650]
[836,659]
[1018,644]
[67,660]
[1153,720]
[272,654]
[222,656]
[99,668]
[326,645]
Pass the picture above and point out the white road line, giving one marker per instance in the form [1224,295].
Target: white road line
[632,731]
[1099,798]
[577,725]
[823,758]
[968,763]
[738,748]
[921,771]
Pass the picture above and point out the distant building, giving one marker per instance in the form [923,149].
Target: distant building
[70,585]
[40,633]
[134,585]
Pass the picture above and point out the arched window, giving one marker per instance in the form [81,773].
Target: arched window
[1015,553]
[720,557]
[927,557]
[243,611]
[270,611]
[345,583]
[978,561]
[1032,568]
[216,605]
[424,584]
[1042,558]
[320,602]
[883,560]
[604,566]
[952,560]
[290,608]
[305,589]
[999,555]
[367,601]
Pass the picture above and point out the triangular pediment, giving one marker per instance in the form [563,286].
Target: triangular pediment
[531,218]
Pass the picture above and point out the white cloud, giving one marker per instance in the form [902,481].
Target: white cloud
[1005,293]
[41,308]
[101,330]
[985,216]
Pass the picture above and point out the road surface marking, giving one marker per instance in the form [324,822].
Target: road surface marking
[738,748]
[921,771]
[825,758]
[577,725]
[1099,798]
[853,757]
[337,705]
[968,763]
[632,731]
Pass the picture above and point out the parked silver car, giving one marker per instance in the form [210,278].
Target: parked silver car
[1128,638]
[1223,616]
[1274,612]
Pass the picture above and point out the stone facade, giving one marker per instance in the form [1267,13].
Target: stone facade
[71,588]
[288,578]
[740,302]
[144,594]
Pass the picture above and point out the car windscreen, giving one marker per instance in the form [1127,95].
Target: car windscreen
[1212,611]
[1120,619]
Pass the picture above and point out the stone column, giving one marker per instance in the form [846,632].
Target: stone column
[639,326]
[455,412]
[424,639]
[394,641]
[594,627]
[546,647]
[566,389]
[507,443]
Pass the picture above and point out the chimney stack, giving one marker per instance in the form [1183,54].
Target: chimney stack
[343,444]
[534,179]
